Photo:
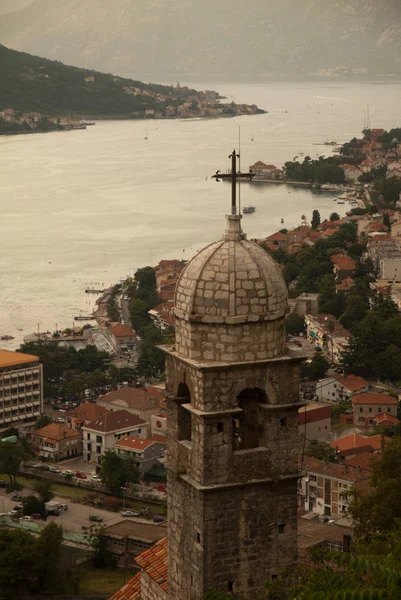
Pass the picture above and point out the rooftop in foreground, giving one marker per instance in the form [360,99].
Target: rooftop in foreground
[8,358]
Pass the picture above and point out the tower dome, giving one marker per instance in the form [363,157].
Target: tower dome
[231,301]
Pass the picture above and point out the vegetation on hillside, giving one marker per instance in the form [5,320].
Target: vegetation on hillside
[31,83]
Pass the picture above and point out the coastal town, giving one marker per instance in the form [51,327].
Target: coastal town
[89,403]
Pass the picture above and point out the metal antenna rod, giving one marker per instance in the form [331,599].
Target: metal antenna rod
[239,169]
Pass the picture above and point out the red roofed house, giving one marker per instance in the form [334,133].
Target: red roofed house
[334,391]
[84,414]
[343,265]
[101,435]
[145,452]
[134,400]
[375,134]
[356,443]
[260,168]
[56,442]
[325,485]
[314,422]
[278,239]
[123,335]
[384,419]
[366,406]
[162,315]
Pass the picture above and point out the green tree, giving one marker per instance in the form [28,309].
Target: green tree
[356,308]
[386,221]
[32,505]
[48,555]
[334,216]
[294,324]
[42,421]
[11,458]
[44,487]
[315,219]
[101,557]
[379,509]
[18,555]
[317,368]
[138,310]
[117,471]
[321,451]
[328,299]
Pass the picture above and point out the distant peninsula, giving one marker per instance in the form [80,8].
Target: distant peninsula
[43,95]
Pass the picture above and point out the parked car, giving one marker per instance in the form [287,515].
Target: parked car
[63,507]
[162,488]
[16,497]
[297,343]
[44,467]
[158,519]
[68,472]
[2,483]
[129,513]
[35,466]
[59,420]
[96,519]
[18,507]
[36,516]
[96,478]
[26,518]
[53,513]
[54,470]
[80,475]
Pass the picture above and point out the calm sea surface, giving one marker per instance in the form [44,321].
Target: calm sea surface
[87,208]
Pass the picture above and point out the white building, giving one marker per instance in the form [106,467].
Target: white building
[334,391]
[101,435]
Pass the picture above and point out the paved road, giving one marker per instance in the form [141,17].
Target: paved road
[75,517]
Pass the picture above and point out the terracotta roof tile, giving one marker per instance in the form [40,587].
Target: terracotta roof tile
[353,383]
[89,411]
[338,471]
[386,419]
[372,443]
[132,397]
[56,431]
[135,443]
[121,330]
[115,421]
[154,562]
[374,399]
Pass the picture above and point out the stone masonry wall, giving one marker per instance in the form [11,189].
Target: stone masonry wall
[150,589]
[242,535]
[230,343]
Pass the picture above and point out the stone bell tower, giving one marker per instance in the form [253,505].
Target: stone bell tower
[232,414]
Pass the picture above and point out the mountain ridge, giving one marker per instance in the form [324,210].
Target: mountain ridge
[183,36]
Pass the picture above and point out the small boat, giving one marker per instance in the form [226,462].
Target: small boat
[341,202]
[146,136]
[248,209]
[282,221]
[6,337]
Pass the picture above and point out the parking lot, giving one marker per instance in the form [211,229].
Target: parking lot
[75,518]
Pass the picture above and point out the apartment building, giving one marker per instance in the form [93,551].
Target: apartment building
[21,389]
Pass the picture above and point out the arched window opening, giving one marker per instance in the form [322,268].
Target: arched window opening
[246,426]
[184,416]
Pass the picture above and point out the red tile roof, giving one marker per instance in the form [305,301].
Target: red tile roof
[115,421]
[371,443]
[136,398]
[353,383]
[56,431]
[386,419]
[89,411]
[343,262]
[154,562]
[336,470]
[364,460]
[374,399]
[121,331]
[135,443]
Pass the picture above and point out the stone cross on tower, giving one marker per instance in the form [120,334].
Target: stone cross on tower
[235,177]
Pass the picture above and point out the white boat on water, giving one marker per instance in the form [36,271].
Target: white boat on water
[249,209]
